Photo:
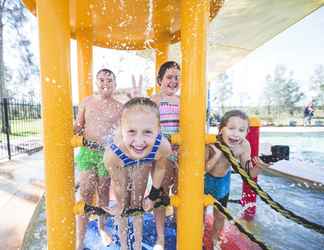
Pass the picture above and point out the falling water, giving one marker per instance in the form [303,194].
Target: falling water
[149,25]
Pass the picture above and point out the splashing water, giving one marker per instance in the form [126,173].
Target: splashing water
[269,226]
[149,25]
[122,4]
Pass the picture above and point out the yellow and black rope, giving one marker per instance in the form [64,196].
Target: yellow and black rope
[240,227]
[265,196]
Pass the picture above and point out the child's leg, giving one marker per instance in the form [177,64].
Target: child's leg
[205,235]
[138,228]
[218,224]
[119,180]
[139,177]
[88,183]
[122,229]
[159,213]
[119,186]
[103,201]
[157,179]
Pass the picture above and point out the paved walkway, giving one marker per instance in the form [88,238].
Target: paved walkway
[21,186]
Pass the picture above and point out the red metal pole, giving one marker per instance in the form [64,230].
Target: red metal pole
[248,198]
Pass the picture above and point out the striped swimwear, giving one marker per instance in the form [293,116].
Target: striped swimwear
[169,118]
[169,121]
[128,162]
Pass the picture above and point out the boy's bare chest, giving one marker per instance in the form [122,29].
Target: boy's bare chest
[101,113]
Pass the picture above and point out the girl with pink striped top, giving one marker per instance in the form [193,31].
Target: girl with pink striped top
[169,105]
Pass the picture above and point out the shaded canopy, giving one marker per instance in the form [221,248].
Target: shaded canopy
[238,27]
[241,26]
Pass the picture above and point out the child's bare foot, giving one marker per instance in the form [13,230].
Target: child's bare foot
[79,246]
[105,237]
[159,245]
[216,245]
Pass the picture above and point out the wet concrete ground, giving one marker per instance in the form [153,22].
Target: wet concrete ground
[21,187]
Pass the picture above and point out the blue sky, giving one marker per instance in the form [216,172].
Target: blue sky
[300,48]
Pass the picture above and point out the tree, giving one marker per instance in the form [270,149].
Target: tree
[282,90]
[12,20]
[12,24]
[270,94]
[291,95]
[224,90]
[2,68]
[317,85]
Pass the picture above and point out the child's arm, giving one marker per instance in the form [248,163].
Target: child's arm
[212,157]
[156,98]
[259,163]
[246,162]
[119,179]
[79,123]
[136,90]
[110,163]
[245,158]
[160,164]
[158,174]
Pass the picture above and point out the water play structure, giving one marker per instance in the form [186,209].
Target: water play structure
[128,25]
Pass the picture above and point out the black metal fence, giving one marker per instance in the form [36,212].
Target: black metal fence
[20,126]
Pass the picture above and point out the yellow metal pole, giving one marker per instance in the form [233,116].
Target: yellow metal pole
[54,35]
[161,56]
[194,20]
[84,48]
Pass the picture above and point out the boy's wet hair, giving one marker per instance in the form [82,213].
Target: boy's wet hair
[229,114]
[142,101]
[106,71]
[164,67]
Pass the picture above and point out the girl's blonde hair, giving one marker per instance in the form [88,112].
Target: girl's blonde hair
[144,102]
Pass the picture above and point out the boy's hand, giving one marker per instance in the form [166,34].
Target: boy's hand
[137,90]
[78,129]
[148,204]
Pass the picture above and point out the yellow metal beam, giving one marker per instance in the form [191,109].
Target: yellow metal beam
[84,48]
[54,34]
[194,19]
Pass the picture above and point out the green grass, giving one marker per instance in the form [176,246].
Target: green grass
[23,128]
